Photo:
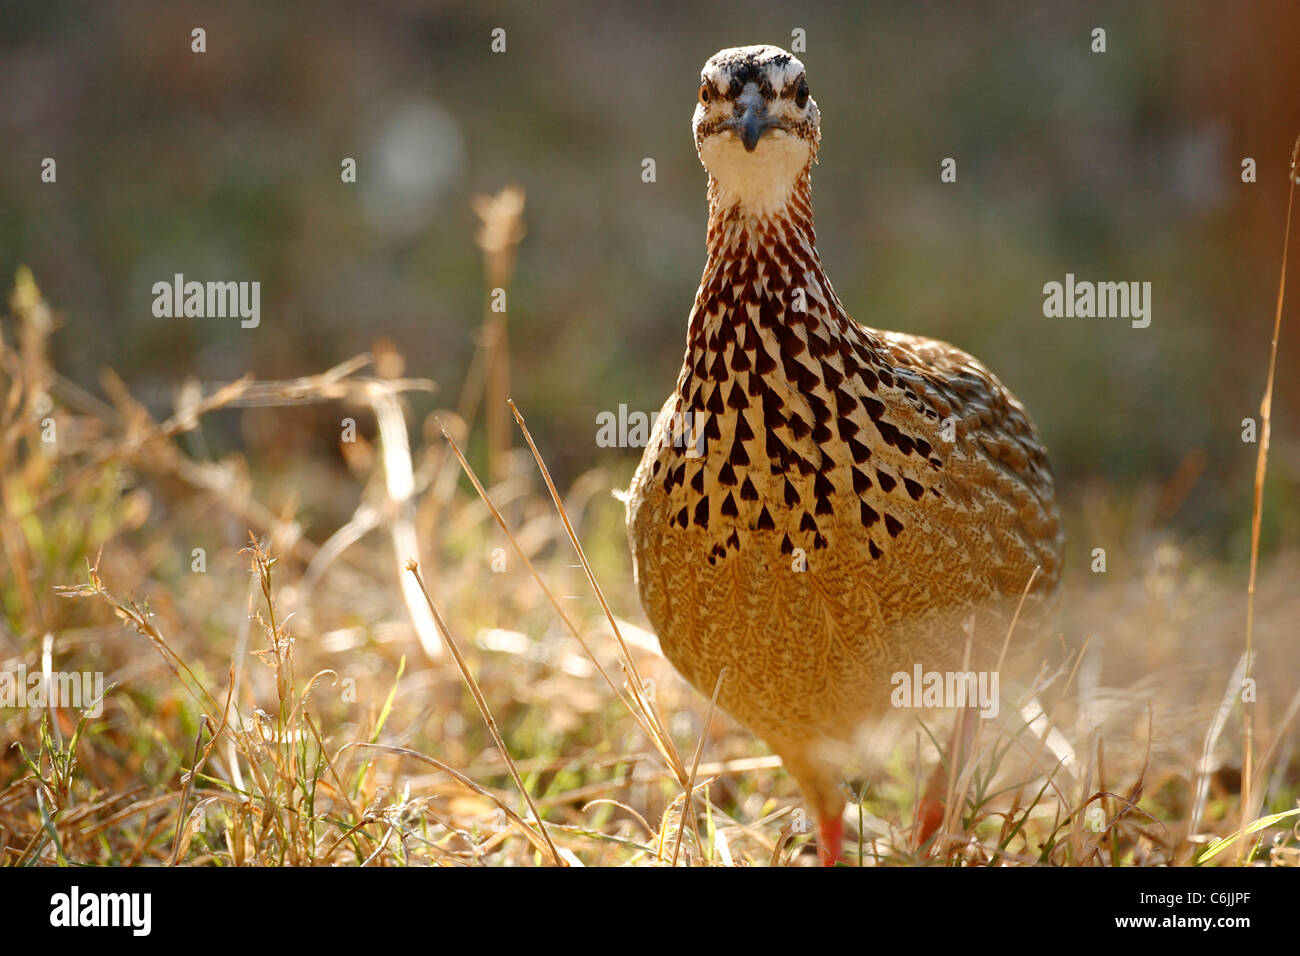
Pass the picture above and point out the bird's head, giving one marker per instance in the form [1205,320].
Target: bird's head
[756,125]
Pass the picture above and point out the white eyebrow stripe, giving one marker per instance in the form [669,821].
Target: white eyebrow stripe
[781,68]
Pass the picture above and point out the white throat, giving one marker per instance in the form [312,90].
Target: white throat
[761,182]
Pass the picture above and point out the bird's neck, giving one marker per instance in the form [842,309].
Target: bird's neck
[737,221]
[763,266]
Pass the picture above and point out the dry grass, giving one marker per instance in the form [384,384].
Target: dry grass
[294,704]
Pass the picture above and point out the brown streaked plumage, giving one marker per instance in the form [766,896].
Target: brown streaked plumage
[822,504]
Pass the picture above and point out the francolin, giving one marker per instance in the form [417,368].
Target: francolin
[821,504]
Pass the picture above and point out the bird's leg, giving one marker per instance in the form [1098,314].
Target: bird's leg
[818,781]
[832,834]
[930,813]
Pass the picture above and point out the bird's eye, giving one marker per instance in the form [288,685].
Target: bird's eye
[801,94]
[704,93]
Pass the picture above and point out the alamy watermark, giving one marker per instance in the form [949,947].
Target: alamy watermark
[133,911]
[83,690]
[1101,300]
[208,300]
[624,429]
[922,688]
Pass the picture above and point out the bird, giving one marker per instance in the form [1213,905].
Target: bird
[822,505]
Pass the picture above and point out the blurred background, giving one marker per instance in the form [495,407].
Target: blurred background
[1122,166]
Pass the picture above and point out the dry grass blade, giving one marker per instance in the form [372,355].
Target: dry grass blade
[688,807]
[1279,735]
[1257,511]
[1205,766]
[960,744]
[138,618]
[661,737]
[479,699]
[175,425]
[543,845]
[502,216]
[181,841]
[399,482]
[550,596]
[1039,722]
[1015,618]
[606,801]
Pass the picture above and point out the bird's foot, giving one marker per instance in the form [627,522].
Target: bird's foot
[929,817]
[832,836]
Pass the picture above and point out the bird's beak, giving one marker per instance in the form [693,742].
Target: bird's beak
[751,121]
[750,127]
